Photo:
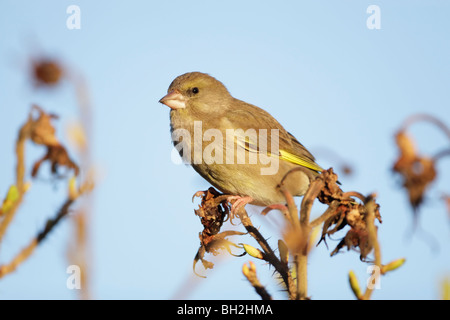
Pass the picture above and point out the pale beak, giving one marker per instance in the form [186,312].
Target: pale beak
[174,100]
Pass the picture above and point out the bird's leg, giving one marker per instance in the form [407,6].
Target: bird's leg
[239,202]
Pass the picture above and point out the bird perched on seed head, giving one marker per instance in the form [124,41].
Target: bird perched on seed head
[251,152]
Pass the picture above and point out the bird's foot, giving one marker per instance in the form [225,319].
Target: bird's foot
[239,202]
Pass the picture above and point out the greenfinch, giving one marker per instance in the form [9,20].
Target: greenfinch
[237,147]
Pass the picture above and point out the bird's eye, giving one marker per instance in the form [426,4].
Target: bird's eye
[195,90]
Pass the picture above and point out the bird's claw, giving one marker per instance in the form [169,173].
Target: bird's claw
[239,202]
[198,194]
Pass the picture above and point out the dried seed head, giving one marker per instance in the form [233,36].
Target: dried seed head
[47,72]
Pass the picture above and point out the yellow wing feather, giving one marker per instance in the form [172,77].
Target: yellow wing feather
[287,156]
[250,146]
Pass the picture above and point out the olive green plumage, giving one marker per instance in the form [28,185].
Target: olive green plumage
[197,96]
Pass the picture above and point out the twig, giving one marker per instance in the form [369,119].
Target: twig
[83,217]
[426,117]
[441,154]
[292,208]
[356,194]
[24,134]
[25,253]
[270,256]
[301,257]
[331,210]
[250,274]
[297,229]
[308,200]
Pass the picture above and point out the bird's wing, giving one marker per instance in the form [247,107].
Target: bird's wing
[247,116]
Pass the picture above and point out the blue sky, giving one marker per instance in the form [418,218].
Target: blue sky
[315,66]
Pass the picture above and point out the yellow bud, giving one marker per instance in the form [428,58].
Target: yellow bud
[313,237]
[11,197]
[252,251]
[245,270]
[77,135]
[13,194]
[249,271]
[27,186]
[392,265]
[445,289]
[73,192]
[354,284]
[284,253]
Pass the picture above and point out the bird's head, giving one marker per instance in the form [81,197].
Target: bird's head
[196,92]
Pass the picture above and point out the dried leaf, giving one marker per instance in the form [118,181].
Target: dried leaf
[418,172]
[42,132]
[213,211]
[348,212]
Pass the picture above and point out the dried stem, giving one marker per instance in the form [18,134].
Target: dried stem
[301,262]
[82,219]
[24,134]
[301,258]
[250,274]
[358,195]
[373,238]
[441,154]
[18,259]
[426,117]
[292,208]
[25,253]
[308,201]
